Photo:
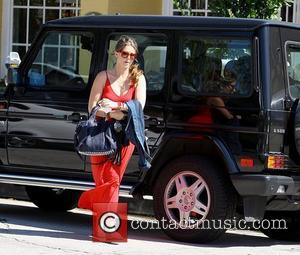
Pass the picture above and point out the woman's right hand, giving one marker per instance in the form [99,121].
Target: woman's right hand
[101,113]
[117,115]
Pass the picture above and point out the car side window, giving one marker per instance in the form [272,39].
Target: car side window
[151,58]
[62,63]
[293,68]
[215,66]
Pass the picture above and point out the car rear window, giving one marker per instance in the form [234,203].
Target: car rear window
[218,66]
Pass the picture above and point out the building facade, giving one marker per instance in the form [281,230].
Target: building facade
[21,19]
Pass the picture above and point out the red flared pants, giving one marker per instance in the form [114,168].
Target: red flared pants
[107,177]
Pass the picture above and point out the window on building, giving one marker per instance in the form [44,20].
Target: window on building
[215,66]
[193,8]
[29,15]
[286,12]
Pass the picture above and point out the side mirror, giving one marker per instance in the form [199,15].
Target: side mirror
[13,60]
[12,63]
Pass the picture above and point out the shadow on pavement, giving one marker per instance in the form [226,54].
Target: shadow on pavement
[78,226]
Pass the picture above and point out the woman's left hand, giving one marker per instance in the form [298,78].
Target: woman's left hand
[107,103]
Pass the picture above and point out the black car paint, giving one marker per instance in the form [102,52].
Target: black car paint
[25,144]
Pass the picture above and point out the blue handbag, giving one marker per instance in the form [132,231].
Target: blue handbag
[95,137]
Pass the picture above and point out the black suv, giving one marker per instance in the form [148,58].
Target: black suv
[222,117]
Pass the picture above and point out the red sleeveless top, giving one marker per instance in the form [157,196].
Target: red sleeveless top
[110,94]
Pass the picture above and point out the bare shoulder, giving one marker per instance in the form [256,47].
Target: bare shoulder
[142,80]
[100,79]
[101,76]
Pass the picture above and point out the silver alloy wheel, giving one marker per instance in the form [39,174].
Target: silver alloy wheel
[187,199]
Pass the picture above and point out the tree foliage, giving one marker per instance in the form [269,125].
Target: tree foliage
[262,9]
[182,5]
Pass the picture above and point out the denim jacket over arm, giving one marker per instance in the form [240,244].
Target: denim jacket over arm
[135,132]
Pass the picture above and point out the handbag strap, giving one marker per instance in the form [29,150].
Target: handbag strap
[84,159]
[91,118]
[94,111]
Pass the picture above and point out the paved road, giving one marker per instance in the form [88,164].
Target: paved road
[24,229]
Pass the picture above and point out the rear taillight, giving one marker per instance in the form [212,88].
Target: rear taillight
[277,162]
[247,162]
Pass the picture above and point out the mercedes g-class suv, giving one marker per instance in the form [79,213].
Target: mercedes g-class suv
[222,117]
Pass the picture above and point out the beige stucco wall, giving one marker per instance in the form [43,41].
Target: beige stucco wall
[122,6]
[94,6]
[117,6]
[135,6]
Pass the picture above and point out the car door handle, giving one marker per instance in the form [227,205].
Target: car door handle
[15,141]
[20,142]
[153,122]
[75,117]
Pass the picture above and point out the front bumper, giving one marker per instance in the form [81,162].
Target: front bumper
[266,185]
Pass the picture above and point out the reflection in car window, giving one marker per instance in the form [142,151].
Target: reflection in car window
[151,58]
[63,62]
[293,69]
[215,66]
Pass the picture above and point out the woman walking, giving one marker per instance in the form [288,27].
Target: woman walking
[112,89]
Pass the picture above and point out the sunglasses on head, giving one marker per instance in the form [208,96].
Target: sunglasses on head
[125,54]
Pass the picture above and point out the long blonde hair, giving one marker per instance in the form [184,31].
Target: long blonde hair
[134,71]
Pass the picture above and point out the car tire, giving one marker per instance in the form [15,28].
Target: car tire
[209,185]
[292,226]
[50,199]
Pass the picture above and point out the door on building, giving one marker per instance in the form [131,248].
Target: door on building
[45,109]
